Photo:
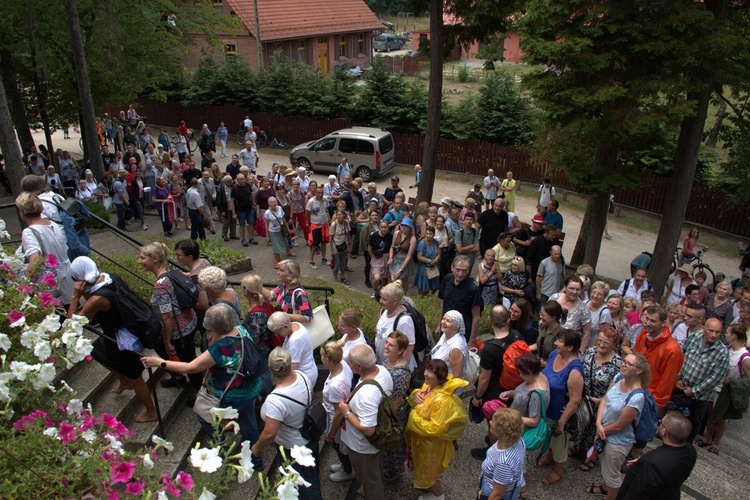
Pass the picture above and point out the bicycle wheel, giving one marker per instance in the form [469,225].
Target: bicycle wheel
[262,140]
[241,136]
[706,269]
[673,267]
[192,142]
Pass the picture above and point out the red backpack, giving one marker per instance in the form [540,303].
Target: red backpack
[510,379]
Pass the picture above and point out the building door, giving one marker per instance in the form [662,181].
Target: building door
[323,55]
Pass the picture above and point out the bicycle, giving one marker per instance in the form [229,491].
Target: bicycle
[696,262]
[192,141]
[260,141]
[276,144]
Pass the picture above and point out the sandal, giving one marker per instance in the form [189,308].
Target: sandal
[524,493]
[545,460]
[596,490]
[713,450]
[702,444]
[345,281]
[587,466]
[553,477]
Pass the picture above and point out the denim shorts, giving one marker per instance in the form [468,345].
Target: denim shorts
[245,218]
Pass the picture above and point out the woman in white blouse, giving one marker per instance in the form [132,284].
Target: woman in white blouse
[451,347]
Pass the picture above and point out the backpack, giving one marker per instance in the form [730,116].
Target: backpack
[187,292]
[254,363]
[74,216]
[509,378]
[648,424]
[316,417]
[135,313]
[389,432]
[422,335]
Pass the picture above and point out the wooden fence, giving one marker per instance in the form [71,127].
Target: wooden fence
[467,156]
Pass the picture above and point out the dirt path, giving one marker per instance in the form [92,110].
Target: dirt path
[614,262]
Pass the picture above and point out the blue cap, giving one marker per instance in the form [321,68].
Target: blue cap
[406,221]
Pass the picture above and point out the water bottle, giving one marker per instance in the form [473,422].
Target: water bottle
[686,411]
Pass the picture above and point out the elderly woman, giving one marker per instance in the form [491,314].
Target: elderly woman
[600,365]
[222,359]
[564,372]
[515,280]
[214,281]
[438,418]
[392,317]
[284,412]
[505,251]
[349,324]
[488,277]
[531,398]
[618,410]
[275,225]
[98,289]
[42,239]
[451,346]
[297,342]
[505,465]
[719,304]
[289,296]
[615,305]
[337,388]
[578,316]
[598,310]
[180,325]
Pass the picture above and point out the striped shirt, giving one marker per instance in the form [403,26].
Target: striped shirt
[705,366]
[505,467]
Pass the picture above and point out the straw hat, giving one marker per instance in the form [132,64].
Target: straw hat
[686,268]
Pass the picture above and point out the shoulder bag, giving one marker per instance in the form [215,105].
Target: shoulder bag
[205,400]
[539,436]
[320,328]
[316,417]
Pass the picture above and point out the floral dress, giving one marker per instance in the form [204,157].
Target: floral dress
[577,317]
[489,289]
[516,281]
[393,460]
[596,381]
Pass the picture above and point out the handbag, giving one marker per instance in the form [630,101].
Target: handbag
[320,328]
[432,272]
[284,227]
[205,400]
[539,436]
[260,227]
[578,422]
[471,373]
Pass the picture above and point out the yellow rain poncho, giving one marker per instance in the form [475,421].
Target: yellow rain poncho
[431,430]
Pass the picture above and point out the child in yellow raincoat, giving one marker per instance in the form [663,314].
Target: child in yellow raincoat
[438,419]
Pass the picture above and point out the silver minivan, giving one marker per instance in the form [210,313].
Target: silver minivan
[370,152]
[387,42]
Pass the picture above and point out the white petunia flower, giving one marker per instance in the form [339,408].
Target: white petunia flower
[42,350]
[115,443]
[30,337]
[244,472]
[287,491]
[89,436]
[225,413]
[233,426]
[293,475]
[205,459]
[5,394]
[51,432]
[303,456]
[147,462]
[162,496]
[163,443]
[5,343]
[74,407]
[51,323]
[206,495]
[21,369]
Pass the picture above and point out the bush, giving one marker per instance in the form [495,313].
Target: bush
[98,210]
[464,74]
[219,254]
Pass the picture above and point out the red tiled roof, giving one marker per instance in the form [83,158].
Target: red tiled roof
[285,19]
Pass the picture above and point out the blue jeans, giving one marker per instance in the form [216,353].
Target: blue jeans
[246,420]
[121,209]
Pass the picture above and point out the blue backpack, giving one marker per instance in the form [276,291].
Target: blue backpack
[649,421]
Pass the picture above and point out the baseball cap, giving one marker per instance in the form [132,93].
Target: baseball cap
[395,178]
[477,186]
[538,219]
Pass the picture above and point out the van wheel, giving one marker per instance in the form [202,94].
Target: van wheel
[304,162]
[365,174]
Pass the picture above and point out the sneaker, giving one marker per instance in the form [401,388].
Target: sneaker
[234,237]
[324,261]
[245,243]
[313,265]
[341,476]
[144,227]
[336,467]
[252,241]
[479,453]
[180,219]
[226,238]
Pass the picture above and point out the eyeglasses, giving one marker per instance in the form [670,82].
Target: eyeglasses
[661,424]
[627,363]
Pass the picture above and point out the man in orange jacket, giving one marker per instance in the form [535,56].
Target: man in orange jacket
[663,354]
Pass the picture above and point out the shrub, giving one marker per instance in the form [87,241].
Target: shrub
[464,74]
[98,210]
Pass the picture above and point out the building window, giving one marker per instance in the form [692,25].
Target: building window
[230,52]
[302,51]
[361,43]
[218,2]
[342,46]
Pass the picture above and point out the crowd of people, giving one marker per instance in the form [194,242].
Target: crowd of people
[590,358]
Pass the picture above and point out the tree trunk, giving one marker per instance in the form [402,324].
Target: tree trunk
[685,162]
[599,205]
[579,252]
[434,103]
[13,163]
[713,135]
[84,91]
[15,101]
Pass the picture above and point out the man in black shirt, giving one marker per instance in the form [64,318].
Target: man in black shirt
[191,172]
[208,160]
[234,168]
[131,153]
[459,292]
[107,157]
[541,248]
[525,236]
[660,473]
[492,222]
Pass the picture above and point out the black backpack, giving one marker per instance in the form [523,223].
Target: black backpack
[421,334]
[135,313]
[186,290]
[254,363]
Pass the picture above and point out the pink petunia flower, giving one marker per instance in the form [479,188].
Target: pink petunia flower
[88,423]
[185,480]
[52,261]
[169,487]
[25,288]
[16,318]
[67,432]
[122,473]
[134,488]
[113,495]
[50,280]
[110,420]
[48,299]
[27,420]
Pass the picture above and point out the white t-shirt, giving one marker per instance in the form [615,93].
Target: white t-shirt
[365,404]
[300,346]
[348,344]
[274,219]
[384,328]
[443,348]
[53,239]
[318,211]
[546,194]
[336,390]
[248,158]
[290,413]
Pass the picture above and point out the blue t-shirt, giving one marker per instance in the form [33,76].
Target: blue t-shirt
[612,410]
[558,384]
[554,219]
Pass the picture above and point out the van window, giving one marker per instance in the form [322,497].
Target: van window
[348,146]
[325,144]
[386,144]
[365,148]
[381,38]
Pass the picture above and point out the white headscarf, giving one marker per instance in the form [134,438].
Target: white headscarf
[84,269]
[457,319]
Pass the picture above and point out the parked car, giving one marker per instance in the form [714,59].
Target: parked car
[370,152]
[387,42]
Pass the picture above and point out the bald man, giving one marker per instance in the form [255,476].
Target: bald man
[705,366]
